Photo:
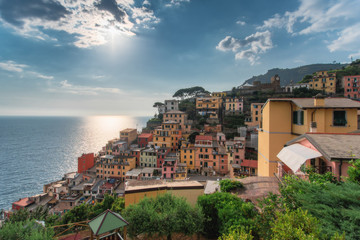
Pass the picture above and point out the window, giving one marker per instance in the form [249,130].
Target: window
[298,117]
[339,118]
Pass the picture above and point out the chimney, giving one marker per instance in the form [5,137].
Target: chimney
[319,100]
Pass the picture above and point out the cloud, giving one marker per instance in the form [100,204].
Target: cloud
[241,23]
[90,22]
[39,75]
[176,3]
[248,48]
[315,16]
[12,66]
[66,87]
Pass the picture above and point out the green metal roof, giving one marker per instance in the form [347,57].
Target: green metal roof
[106,222]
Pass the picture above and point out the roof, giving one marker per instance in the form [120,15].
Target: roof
[203,137]
[106,222]
[24,202]
[128,130]
[333,146]
[145,135]
[174,112]
[151,185]
[329,102]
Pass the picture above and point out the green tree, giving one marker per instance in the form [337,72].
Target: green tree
[189,92]
[163,216]
[295,225]
[228,185]
[25,230]
[225,212]
[237,235]
[234,121]
[354,171]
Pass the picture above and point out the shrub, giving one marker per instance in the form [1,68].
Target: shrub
[228,185]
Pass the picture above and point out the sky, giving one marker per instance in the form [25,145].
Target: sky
[118,57]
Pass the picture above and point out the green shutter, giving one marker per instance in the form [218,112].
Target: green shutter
[295,118]
[301,117]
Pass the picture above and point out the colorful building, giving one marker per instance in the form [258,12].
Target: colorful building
[233,105]
[129,135]
[219,94]
[324,81]
[110,166]
[161,155]
[351,86]
[283,119]
[187,155]
[148,158]
[179,117]
[144,139]
[168,135]
[209,106]
[85,162]
[255,111]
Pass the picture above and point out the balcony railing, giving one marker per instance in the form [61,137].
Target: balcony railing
[322,169]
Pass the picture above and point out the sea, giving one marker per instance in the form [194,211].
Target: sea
[38,150]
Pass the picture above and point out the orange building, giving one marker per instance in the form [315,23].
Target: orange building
[210,106]
[187,155]
[324,81]
[85,162]
[110,166]
[255,110]
[168,135]
[209,156]
[129,135]
[179,117]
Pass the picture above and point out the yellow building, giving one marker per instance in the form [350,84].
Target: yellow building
[110,166]
[219,94]
[255,110]
[179,117]
[209,106]
[168,135]
[324,81]
[187,155]
[181,171]
[129,135]
[283,119]
[137,190]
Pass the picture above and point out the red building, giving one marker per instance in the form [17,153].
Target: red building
[85,162]
[22,203]
[351,86]
[136,153]
[144,139]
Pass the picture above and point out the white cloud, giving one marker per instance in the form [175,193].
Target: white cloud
[66,87]
[248,48]
[42,76]
[315,16]
[12,66]
[90,22]
[176,3]
[241,23]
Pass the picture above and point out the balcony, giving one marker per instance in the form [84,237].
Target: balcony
[322,169]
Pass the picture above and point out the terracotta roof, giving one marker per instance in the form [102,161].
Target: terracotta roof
[24,202]
[333,146]
[145,135]
[203,137]
[174,112]
[329,102]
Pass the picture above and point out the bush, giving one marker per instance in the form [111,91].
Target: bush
[26,230]
[228,185]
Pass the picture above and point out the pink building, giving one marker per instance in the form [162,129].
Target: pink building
[321,151]
[161,155]
[233,105]
[351,86]
[169,166]
[239,150]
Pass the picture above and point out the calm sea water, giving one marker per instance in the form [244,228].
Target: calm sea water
[38,150]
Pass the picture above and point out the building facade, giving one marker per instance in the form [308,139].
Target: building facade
[129,135]
[324,81]
[351,86]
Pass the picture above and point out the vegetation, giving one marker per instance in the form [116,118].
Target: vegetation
[234,121]
[190,92]
[163,216]
[25,230]
[225,213]
[158,104]
[192,137]
[305,93]
[228,185]
[354,171]
[189,108]
[307,78]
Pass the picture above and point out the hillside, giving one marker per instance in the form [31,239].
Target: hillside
[295,74]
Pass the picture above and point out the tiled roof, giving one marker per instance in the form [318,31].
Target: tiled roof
[145,135]
[334,146]
[23,202]
[203,137]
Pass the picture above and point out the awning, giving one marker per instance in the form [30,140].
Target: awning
[295,155]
